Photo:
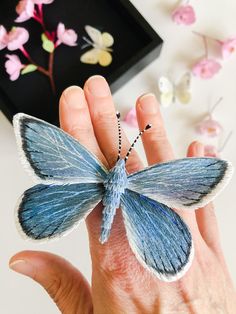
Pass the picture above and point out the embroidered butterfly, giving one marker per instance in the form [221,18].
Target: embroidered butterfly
[101,51]
[72,181]
[171,93]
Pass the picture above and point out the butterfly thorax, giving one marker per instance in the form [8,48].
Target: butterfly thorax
[115,185]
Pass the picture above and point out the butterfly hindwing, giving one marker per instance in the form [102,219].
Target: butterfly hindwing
[49,211]
[105,58]
[53,156]
[91,56]
[95,55]
[157,235]
[187,183]
[182,90]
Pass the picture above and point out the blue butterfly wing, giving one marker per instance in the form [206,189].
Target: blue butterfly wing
[157,235]
[49,211]
[53,156]
[187,183]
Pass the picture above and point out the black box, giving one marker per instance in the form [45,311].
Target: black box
[136,45]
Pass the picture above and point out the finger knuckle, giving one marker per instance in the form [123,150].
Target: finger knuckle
[54,287]
[80,131]
[157,134]
[133,165]
[105,119]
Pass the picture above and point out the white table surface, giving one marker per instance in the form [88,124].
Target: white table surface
[20,295]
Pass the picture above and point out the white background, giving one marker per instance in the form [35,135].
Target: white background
[19,295]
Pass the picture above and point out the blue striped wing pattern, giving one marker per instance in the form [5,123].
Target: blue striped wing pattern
[187,183]
[48,211]
[52,156]
[157,235]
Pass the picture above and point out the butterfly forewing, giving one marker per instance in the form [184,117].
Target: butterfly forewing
[187,183]
[53,156]
[157,235]
[95,35]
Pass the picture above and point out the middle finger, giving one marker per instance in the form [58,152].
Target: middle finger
[103,115]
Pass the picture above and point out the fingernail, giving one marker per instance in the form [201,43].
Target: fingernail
[98,86]
[199,149]
[73,96]
[23,267]
[148,103]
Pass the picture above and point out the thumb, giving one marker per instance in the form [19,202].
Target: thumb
[63,282]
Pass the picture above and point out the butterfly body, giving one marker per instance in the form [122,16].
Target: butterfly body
[71,181]
[115,185]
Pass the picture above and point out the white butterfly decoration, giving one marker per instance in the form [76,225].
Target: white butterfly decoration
[100,43]
[170,92]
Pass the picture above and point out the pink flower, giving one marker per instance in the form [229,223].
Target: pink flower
[184,14]
[17,37]
[206,68]
[3,37]
[66,36]
[42,1]
[228,47]
[210,128]
[211,151]
[13,66]
[25,10]
[131,118]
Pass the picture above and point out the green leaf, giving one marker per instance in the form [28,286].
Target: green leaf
[29,68]
[48,45]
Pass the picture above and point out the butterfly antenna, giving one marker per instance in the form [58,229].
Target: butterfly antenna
[135,141]
[119,130]
[89,43]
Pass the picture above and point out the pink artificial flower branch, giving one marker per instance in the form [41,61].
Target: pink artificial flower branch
[18,37]
[228,46]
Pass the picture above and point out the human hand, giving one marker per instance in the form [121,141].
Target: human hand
[120,284]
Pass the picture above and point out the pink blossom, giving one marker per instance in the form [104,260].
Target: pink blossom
[17,37]
[206,68]
[25,10]
[13,66]
[3,37]
[210,128]
[131,118]
[228,47]
[66,36]
[184,14]
[42,1]
[211,151]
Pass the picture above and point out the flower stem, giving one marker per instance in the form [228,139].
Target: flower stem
[50,70]
[38,16]
[205,46]
[226,142]
[48,73]
[220,42]
[204,38]
[216,105]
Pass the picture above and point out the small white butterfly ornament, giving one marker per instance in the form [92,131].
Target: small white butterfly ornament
[101,47]
[171,93]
